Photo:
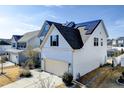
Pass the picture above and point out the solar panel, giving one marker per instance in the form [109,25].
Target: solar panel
[89,26]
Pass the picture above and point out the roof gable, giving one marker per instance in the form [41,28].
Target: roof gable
[72,36]
[29,36]
[17,37]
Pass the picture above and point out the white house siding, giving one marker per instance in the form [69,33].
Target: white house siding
[62,52]
[34,42]
[14,57]
[90,57]
[3,48]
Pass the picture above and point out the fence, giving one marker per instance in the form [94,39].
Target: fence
[116,60]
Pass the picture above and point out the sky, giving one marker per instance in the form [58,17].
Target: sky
[17,20]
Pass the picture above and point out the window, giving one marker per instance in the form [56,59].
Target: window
[96,41]
[13,45]
[54,40]
[21,45]
[101,42]
[45,29]
[41,41]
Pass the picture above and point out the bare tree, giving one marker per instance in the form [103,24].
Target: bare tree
[32,55]
[48,82]
[2,61]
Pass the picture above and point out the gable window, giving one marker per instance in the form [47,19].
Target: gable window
[101,42]
[54,40]
[96,40]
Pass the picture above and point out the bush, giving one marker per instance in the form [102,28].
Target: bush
[25,73]
[67,78]
[123,74]
[30,64]
[122,51]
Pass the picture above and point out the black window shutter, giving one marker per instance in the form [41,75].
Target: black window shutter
[57,40]
[51,41]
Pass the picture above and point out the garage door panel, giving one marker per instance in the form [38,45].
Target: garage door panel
[56,67]
[13,58]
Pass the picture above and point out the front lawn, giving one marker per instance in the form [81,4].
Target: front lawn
[103,77]
[12,74]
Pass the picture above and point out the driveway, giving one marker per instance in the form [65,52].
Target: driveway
[35,81]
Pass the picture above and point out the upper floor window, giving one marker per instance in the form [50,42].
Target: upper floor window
[21,45]
[96,41]
[101,42]
[45,29]
[54,40]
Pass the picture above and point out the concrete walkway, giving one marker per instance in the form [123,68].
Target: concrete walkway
[33,82]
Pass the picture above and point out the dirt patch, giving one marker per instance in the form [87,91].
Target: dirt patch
[11,75]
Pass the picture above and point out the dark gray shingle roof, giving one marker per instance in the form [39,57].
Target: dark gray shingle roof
[17,37]
[71,35]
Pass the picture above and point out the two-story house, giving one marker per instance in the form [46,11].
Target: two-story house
[120,42]
[21,43]
[29,39]
[75,48]
[14,40]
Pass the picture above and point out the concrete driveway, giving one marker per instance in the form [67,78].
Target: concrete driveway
[34,82]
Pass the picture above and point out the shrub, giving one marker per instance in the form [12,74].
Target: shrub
[25,73]
[123,74]
[30,64]
[122,51]
[67,78]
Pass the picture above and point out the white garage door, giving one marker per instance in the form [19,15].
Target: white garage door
[14,58]
[56,67]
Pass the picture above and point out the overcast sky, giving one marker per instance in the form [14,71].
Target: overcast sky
[17,20]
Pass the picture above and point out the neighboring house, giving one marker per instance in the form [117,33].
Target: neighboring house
[21,44]
[115,44]
[120,42]
[14,40]
[4,45]
[29,39]
[75,48]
